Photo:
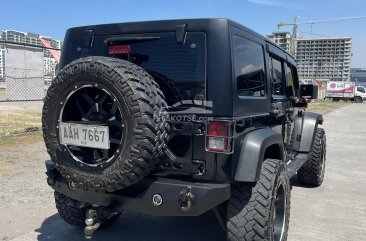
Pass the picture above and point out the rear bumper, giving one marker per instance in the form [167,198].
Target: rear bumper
[138,197]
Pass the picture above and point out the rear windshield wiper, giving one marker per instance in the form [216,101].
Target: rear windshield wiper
[132,39]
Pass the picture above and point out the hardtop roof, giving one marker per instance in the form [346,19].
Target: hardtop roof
[196,24]
[156,25]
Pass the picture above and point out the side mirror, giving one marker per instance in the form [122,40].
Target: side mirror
[301,102]
[309,91]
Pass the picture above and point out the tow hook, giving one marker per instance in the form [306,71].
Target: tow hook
[51,177]
[185,199]
[91,222]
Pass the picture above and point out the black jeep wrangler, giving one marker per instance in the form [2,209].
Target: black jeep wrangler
[175,118]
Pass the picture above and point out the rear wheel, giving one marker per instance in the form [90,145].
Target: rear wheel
[312,172]
[261,212]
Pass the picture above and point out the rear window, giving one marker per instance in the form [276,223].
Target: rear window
[178,68]
[249,67]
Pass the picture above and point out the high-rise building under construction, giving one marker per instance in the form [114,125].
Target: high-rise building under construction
[318,58]
[325,58]
[282,39]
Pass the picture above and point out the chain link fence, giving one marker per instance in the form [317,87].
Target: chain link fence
[21,100]
[26,71]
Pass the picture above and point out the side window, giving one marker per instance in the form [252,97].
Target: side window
[249,67]
[278,82]
[291,81]
[361,89]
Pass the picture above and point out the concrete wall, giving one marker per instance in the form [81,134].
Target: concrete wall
[24,73]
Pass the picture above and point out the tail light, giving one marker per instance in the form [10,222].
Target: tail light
[217,136]
[119,49]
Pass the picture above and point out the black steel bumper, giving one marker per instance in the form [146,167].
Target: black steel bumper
[139,197]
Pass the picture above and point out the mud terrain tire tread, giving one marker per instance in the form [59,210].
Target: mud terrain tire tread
[249,208]
[311,173]
[71,212]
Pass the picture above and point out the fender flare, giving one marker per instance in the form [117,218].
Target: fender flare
[253,147]
[304,132]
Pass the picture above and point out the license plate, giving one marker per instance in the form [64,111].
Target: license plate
[84,135]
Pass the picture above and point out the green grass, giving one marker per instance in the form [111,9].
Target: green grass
[20,123]
[325,106]
[19,119]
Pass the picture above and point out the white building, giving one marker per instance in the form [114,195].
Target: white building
[21,37]
[13,36]
[2,57]
[54,44]
[49,65]
[324,58]
[284,40]
[2,63]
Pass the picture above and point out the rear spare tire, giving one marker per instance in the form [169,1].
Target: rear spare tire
[101,123]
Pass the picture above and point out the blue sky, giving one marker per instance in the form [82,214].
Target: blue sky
[52,18]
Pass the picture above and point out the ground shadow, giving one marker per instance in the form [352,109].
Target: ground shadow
[294,181]
[138,227]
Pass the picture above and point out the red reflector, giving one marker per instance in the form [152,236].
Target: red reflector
[120,49]
[217,128]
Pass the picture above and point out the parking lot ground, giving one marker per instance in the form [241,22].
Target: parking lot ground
[336,211]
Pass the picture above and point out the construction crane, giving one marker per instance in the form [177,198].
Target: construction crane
[295,24]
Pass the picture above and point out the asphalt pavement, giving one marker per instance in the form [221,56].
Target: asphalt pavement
[336,211]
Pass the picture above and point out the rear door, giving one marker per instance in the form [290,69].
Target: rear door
[284,91]
[179,68]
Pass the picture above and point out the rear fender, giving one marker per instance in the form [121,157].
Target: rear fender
[252,153]
[305,128]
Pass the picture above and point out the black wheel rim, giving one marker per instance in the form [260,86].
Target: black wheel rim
[279,213]
[98,106]
[323,156]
